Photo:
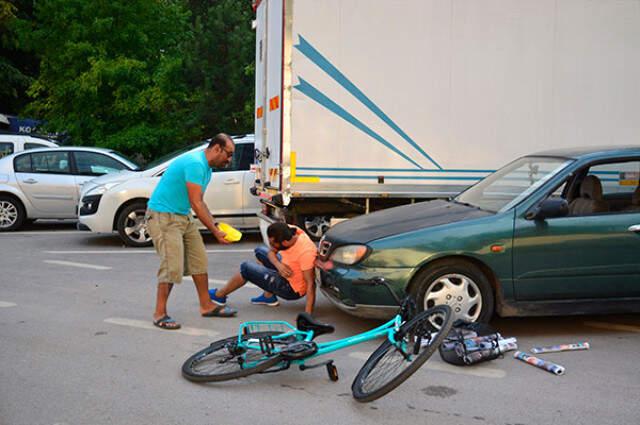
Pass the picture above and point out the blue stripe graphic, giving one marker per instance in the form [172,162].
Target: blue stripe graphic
[392,170]
[316,57]
[391,177]
[323,100]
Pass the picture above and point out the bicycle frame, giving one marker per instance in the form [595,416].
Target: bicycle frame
[388,329]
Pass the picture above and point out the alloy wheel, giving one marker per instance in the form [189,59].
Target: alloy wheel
[8,214]
[135,227]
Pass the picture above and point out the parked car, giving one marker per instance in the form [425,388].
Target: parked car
[45,183]
[12,143]
[118,202]
[552,233]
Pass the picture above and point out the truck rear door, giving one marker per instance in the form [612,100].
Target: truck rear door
[268,114]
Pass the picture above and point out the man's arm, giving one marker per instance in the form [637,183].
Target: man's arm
[311,290]
[283,270]
[202,211]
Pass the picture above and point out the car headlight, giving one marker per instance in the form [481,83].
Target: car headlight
[99,190]
[349,254]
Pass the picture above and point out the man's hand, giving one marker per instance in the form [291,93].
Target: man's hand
[284,270]
[219,235]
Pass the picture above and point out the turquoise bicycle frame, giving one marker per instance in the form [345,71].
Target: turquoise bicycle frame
[287,331]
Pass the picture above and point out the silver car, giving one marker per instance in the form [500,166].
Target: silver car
[117,203]
[45,183]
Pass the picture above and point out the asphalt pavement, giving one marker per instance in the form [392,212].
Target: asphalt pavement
[77,347]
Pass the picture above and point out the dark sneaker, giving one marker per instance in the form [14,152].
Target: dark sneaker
[218,300]
[271,301]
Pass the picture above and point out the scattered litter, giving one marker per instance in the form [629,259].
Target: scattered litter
[562,347]
[556,369]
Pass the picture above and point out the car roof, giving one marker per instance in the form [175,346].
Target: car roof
[591,151]
[67,148]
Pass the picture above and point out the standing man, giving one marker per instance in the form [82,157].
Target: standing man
[174,232]
[285,270]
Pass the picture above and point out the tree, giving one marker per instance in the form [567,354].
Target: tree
[17,66]
[111,72]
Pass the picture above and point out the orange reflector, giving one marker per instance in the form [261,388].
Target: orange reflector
[259,112]
[274,103]
[496,248]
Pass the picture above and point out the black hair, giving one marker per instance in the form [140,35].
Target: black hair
[220,139]
[280,232]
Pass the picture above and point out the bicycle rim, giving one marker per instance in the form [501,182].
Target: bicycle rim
[221,361]
[388,366]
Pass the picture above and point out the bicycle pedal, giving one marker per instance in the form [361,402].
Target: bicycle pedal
[313,366]
[332,371]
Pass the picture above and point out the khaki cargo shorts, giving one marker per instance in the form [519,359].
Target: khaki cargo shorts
[179,245]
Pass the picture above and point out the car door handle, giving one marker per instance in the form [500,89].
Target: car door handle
[635,228]
[30,181]
[231,181]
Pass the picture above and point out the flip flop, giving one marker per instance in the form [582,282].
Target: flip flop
[221,311]
[166,322]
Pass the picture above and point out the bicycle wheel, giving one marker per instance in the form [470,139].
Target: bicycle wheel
[223,360]
[389,367]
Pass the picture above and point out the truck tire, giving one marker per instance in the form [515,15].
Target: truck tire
[457,283]
[131,226]
[12,213]
[314,225]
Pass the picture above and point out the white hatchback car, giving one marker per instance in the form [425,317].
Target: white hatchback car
[117,203]
[45,183]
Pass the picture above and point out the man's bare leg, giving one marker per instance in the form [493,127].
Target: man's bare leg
[202,288]
[162,296]
[236,281]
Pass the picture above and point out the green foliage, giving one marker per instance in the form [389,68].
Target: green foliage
[141,76]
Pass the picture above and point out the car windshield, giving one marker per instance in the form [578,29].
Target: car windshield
[124,158]
[172,155]
[509,185]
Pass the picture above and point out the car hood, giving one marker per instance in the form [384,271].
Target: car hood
[118,176]
[393,221]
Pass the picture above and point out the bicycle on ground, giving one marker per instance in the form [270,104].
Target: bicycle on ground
[411,337]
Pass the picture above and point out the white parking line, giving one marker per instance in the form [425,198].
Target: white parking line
[481,371]
[146,324]
[4,304]
[128,251]
[613,326]
[217,282]
[43,232]
[80,265]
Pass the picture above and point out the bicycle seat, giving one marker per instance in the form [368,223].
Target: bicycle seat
[306,322]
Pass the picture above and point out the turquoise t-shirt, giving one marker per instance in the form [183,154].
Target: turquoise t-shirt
[171,196]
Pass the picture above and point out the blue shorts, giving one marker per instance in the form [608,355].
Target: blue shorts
[266,276]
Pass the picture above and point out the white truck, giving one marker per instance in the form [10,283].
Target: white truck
[367,104]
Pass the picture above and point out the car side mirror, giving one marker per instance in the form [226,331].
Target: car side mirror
[549,208]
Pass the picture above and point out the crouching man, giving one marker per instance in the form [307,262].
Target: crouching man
[285,270]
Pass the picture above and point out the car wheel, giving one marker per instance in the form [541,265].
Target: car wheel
[132,227]
[12,213]
[315,225]
[459,284]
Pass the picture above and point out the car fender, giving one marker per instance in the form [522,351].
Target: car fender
[11,190]
[123,194]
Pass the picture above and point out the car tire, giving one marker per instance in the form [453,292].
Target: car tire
[12,213]
[457,283]
[131,226]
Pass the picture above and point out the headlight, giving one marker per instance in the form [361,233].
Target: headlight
[349,254]
[99,190]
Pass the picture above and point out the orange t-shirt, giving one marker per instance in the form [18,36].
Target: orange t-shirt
[299,257]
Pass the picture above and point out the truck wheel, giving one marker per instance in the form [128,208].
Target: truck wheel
[315,225]
[131,226]
[459,284]
[12,213]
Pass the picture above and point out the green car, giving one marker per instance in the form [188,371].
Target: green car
[552,233]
